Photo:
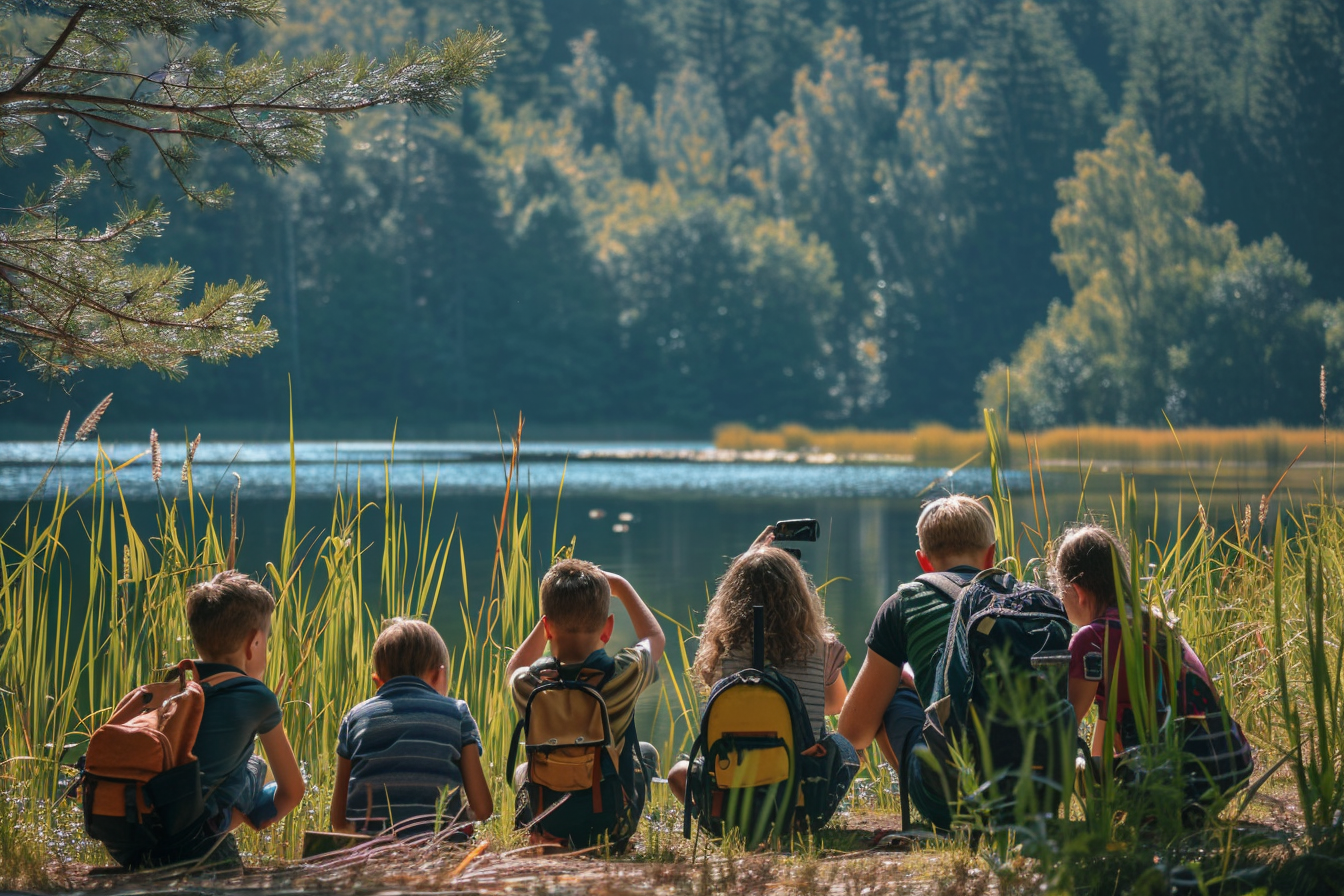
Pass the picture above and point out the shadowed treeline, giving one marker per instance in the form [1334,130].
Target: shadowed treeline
[674,214]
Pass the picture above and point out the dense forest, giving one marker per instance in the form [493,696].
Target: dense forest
[676,213]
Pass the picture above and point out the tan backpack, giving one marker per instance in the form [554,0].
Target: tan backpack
[141,779]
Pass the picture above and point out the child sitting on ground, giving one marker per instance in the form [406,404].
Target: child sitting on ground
[405,756]
[956,535]
[799,643]
[1090,571]
[576,621]
[230,621]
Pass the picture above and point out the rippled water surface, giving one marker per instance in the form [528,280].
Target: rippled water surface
[470,468]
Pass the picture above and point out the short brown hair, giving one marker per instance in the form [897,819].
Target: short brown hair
[576,597]
[957,524]
[224,611]
[408,647]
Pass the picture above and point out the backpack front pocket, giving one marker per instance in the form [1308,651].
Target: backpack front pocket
[565,769]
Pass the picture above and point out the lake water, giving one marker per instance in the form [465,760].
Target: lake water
[667,516]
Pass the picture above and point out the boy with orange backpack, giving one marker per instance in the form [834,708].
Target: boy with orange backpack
[173,772]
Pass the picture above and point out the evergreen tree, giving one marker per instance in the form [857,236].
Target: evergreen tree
[1176,52]
[749,50]
[1292,102]
[898,32]
[68,297]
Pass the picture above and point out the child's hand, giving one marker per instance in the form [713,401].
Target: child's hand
[764,540]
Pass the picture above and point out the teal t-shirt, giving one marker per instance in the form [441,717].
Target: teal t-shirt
[236,711]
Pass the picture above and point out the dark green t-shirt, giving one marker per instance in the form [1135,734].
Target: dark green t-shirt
[911,626]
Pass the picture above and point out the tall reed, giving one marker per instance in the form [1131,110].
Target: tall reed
[71,649]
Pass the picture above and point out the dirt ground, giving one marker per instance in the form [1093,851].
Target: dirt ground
[860,855]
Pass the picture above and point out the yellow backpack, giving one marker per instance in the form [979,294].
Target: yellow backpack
[753,730]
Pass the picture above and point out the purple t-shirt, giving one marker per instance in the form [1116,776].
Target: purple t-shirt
[1096,653]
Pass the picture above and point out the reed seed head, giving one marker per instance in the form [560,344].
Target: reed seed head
[1264,508]
[91,422]
[191,454]
[60,436]
[155,456]
[1246,521]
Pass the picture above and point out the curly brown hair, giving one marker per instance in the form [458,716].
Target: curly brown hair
[795,623]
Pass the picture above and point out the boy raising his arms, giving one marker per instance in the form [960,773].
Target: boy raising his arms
[577,623]
[230,621]
[886,702]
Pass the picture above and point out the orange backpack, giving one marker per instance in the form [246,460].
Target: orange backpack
[141,780]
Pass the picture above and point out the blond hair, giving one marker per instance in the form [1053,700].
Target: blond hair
[795,626]
[576,597]
[224,612]
[408,647]
[953,526]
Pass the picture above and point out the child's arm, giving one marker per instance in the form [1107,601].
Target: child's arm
[528,652]
[875,685]
[285,768]
[340,792]
[835,696]
[474,783]
[646,625]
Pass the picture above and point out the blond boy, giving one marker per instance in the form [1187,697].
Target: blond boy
[886,702]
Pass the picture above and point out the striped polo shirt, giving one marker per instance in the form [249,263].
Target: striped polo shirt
[405,750]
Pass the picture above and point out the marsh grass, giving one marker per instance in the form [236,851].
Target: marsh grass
[1270,447]
[1260,603]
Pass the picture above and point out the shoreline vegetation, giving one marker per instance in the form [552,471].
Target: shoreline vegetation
[1260,602]
[1150,449]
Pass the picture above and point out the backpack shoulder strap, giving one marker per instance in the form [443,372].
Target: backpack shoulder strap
[219,678]
[945,584]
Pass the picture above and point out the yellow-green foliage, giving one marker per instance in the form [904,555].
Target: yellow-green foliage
[1270,446]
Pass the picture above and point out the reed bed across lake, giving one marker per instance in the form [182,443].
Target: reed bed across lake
[1268,447]
[1262,604]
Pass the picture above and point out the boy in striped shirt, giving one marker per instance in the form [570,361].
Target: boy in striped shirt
[407,755]
[577,623]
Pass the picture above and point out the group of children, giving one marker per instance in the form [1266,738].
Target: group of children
[413,752]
